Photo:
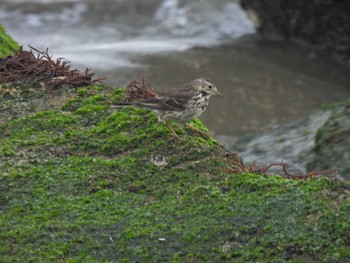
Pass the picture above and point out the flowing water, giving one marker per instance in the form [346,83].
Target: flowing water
[170,42]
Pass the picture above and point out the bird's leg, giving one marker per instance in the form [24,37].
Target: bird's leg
[172,130]
[169,126]
[197,130]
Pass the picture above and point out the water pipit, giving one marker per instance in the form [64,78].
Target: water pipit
[181,104]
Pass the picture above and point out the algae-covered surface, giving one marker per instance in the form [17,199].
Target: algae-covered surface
[81,182]
[7,44]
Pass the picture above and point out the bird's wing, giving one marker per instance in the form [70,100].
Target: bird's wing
[172,99]
[174,104]
[164,103]
[183,92]
[179,96]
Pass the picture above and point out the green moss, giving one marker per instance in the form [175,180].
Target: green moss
[7,44]
[87,183]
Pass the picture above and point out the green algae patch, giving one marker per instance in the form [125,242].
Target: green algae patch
[7,44]
[82,182]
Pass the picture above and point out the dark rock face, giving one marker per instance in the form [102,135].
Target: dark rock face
[323,23]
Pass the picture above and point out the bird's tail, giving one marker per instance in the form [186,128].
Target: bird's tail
[121,104]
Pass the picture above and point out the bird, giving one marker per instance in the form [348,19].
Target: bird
[181,103]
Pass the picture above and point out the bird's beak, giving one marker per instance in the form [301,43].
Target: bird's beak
[219,93]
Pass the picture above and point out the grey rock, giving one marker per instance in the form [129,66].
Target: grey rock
[332,143]
[319,141]
[291,143]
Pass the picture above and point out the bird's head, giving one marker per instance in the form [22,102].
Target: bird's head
[206,86]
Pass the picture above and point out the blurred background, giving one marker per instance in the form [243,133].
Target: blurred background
[265,82]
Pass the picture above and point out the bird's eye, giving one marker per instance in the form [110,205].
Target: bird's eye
[210,86]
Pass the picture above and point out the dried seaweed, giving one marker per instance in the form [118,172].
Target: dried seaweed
[136,91]
[236,165]
[26,66]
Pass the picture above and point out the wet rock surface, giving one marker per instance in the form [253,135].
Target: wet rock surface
[332,143]
[291,143]
[317,142]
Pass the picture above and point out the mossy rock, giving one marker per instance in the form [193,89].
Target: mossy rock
[332,142]
[81,182]
[7,44]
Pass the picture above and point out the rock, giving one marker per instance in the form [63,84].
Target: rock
[332,143]
[317,142]
[324,24]
[115,185]
[291,143]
